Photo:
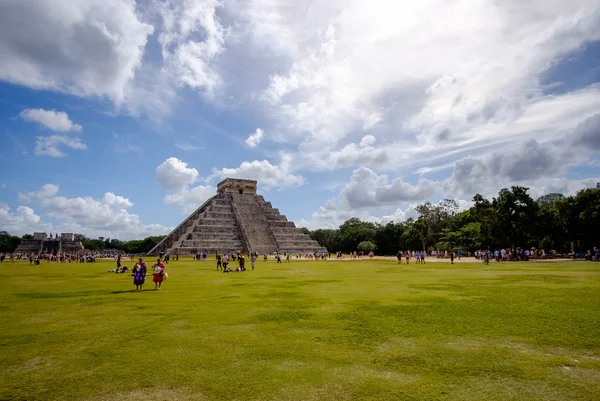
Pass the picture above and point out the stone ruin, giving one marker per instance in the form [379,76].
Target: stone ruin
[236,219]
[41,243]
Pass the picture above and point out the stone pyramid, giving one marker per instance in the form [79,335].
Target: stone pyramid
[236,219]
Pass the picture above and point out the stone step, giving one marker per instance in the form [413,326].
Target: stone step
[299,236]
[200,245]
[217,228]
[224,236]
[193,251]
[221,208]
[282,224]
[218,215]
[216,222]
[297,244]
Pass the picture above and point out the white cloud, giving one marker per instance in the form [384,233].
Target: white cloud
[268,175]
[51,145]
[22,221]
[367,192]
[51,119]
[367,141]
[174,175]
[87,48]
[190,198]
[369,189]
[107,216]
[186,147]
[191,39]
[176,178]
[363,154]
[254,139]
[381,70]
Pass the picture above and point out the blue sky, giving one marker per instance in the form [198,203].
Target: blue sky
[119,118]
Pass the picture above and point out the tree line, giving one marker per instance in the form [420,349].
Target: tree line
[8,243]
[512,219]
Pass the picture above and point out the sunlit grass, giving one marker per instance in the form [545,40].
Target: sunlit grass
[302,331]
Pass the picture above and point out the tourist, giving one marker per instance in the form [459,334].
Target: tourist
[139,274]
[225,261]
[158,272]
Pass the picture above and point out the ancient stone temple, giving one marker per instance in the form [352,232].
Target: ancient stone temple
[236,219]
[41,243]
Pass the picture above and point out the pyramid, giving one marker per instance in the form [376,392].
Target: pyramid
[236,219]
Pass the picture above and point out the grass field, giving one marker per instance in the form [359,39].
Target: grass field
[307,330]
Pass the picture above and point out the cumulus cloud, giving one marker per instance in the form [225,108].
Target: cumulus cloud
[87,48]
[177,178]
[524,164]
[22,221]
[52,145]
[191,38]
[363,154]
[587,134]
[51,119]
[366,189]
[365,193]
[107,216]
[190,198]
[254,139]
[174,175]
[268,175]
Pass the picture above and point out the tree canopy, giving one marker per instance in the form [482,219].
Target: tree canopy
[509,220]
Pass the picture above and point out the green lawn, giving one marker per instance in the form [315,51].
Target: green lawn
[302,331]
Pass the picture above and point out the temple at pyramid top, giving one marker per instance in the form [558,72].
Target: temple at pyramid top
[237,185]
[236,219]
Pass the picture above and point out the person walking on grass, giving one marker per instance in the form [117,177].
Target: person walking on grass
[139,274]
[253,259]
[158,272]
[452,257]
[218,256]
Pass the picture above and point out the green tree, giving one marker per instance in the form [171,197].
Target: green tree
[366,246]
[327,238]
[389,238]
[353,232]
[515,213]
[8,243]
[433,218]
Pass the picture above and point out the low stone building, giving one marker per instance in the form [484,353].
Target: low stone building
[41,243]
